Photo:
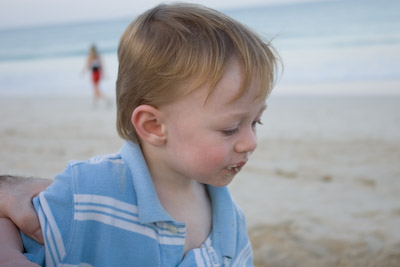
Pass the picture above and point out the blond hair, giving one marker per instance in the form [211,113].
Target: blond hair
[173,49]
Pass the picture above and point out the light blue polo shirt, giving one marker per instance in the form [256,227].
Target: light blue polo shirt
[106,212]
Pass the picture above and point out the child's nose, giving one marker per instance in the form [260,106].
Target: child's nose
[247,141]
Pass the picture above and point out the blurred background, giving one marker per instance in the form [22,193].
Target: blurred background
[320,41]
[323,187]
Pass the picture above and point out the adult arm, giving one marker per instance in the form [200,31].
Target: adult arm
[11,248]
[16,194]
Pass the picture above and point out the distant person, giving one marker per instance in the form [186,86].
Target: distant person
[191,90]
[95,66]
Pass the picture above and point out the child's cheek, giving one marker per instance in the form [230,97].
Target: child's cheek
[214,158]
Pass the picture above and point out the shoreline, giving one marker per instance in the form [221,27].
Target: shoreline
[362,89]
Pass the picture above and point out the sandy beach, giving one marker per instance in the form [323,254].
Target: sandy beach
[322,189]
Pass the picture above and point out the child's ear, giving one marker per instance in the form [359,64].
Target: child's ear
[148,124]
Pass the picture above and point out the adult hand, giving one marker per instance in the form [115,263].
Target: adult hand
[16,194]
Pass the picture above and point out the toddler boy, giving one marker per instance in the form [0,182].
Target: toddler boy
[191,87]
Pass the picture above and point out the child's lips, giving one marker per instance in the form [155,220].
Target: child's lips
[236,167]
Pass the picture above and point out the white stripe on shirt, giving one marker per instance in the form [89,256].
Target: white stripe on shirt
[243,256]
[100,209]
[129,226]
[121,215]
[198,258]
[116,213]
[103,200]
[53,233]
[43,224]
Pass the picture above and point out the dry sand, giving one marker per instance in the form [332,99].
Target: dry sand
[323,188]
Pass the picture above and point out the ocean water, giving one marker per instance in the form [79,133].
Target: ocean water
[319,42]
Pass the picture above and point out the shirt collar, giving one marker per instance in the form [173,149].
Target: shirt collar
[150,208]
[224,219]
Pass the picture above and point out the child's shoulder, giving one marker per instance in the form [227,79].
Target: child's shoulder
[114,158]
[106,171]
[100,163]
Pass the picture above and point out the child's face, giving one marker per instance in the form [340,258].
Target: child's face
[211,141]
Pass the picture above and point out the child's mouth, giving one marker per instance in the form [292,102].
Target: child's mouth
[235,168]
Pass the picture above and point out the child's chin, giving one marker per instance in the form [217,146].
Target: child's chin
[225,180]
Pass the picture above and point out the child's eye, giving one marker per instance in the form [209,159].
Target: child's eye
[230,132]
[256,122]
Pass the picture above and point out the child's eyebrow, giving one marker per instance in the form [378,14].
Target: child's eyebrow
[234,115]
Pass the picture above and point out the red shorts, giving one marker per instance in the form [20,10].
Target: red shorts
[96,76]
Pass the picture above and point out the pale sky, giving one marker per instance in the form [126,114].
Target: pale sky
[15,13]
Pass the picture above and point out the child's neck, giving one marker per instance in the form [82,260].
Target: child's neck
[165,180]
[191,206]
[186,200]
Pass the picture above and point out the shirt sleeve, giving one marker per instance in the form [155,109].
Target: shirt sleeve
[54,207]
